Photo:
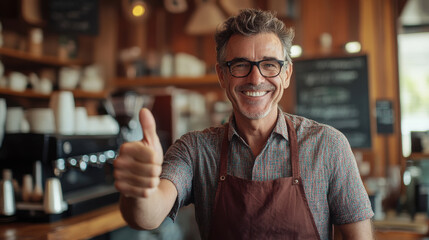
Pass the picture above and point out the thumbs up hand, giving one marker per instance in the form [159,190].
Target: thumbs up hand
[138,165]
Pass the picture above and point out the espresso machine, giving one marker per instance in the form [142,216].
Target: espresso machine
[82,163]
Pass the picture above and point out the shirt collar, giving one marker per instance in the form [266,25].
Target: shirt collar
[280,128]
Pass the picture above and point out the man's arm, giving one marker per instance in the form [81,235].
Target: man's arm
[149,213]
[145,198]
[357,231]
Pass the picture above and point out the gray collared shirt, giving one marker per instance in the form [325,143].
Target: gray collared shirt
[332,183]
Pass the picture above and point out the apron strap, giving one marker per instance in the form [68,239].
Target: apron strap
[224,154]
[293,146]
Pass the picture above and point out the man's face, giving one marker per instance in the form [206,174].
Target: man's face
[254,96]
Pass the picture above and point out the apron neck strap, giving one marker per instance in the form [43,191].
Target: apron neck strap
[293,146]
[224,154]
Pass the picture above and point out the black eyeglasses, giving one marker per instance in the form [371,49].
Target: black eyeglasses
[241,68]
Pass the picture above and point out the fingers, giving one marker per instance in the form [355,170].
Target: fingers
[139,164]
[148,125]
[137,170]
[144,169]
[136,181]
[140,152]
[132,191]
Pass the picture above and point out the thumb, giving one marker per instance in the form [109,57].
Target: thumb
[148,125]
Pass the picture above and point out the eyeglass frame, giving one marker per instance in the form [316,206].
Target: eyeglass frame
[252,63]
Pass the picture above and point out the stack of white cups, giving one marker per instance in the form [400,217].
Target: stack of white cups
[63,105]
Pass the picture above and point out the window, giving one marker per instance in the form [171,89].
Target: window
[414,85]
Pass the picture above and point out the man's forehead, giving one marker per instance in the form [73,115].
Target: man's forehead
[262,45]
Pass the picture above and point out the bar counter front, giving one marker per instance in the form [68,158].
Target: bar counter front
[83,226]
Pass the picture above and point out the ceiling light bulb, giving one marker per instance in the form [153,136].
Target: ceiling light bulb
[353,47]
[138,10]
[295,51]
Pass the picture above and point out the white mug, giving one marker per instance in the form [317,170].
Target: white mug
[18,81]
[41,120]
[68,78]
[81,120]
[14,119]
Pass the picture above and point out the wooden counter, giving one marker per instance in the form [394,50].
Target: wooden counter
[108,219]
[82,226]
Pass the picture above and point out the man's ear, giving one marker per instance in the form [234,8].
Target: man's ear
[220,75]
[288,75]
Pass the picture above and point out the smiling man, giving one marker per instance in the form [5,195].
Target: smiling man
[265,174]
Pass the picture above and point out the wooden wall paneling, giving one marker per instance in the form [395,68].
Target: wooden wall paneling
[390,16]
[180,40]
[339,24]
[336,17]
[378,39]
[313,23]
[105,43]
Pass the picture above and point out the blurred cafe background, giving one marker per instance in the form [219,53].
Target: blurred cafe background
[74,73]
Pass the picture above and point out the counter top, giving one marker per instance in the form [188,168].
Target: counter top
[83,226]
[107,219]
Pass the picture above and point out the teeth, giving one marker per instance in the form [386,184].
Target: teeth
[254,94]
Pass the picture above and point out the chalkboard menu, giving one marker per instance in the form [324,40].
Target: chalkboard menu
[334,91]
[74,16]
[385,118]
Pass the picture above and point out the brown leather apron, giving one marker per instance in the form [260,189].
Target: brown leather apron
[275,209]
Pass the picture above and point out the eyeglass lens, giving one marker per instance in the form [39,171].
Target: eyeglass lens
[267,68]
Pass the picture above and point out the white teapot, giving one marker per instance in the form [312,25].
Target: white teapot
[40,85]
[91,80]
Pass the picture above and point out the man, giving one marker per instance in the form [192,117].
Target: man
[264,175]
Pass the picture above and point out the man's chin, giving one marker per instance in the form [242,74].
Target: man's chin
[255,115]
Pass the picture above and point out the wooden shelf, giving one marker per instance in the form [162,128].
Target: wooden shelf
[24,57]
[185,82]
[418,156]
[80,94]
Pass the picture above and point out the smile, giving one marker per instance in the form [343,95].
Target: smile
[255,94]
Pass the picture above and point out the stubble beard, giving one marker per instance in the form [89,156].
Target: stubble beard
[257,115]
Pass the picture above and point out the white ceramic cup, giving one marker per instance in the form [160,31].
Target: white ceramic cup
[14,119]
[69,78]
[64,111]
[41,120]
[53,197]
[17,81]
[81,120]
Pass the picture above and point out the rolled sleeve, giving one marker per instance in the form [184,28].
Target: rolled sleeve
[178,169]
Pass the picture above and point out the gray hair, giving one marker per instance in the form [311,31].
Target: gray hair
[251,22]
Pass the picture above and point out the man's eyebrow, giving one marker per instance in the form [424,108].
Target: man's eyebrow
[238,59]
[270,58]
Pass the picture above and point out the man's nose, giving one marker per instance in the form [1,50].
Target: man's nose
[255,77]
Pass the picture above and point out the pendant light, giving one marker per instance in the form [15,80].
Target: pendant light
[205,19]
